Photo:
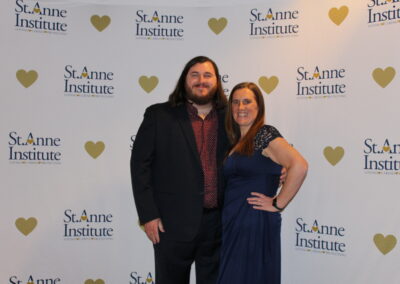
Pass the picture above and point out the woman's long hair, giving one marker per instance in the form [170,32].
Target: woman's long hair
[178,96]
[244,145]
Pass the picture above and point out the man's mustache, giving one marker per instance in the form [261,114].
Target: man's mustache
[204,85]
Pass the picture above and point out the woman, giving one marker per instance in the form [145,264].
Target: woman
[251,215]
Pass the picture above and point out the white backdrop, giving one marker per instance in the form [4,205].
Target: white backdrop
[78,75]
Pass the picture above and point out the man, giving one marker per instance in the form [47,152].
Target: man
[176,175]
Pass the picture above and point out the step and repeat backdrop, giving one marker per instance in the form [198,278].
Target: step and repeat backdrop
[77,77]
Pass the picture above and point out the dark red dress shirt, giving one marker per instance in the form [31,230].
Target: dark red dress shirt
[205,131]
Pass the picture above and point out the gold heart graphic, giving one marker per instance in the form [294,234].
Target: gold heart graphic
[148,83]
[269,16]
[338,15]
[385,244]
[333,155]
[36,10]
[316,75]
[93,149]
[217,26]
[98,281]
[100,23]
[29,141]
[268,84]
[314,228]
[26,226]
[84,74]
[83,218]
[155,19]
[386,148]
[27,78]
[383,77]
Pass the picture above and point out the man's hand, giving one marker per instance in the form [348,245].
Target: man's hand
[152,229]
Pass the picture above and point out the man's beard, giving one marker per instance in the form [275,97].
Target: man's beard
[200,100]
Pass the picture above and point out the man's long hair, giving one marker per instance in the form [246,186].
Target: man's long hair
[178,96]
[245,145]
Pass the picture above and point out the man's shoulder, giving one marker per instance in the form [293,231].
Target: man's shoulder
[159,106]
[163,110]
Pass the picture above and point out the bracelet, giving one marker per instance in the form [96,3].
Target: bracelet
[276,205]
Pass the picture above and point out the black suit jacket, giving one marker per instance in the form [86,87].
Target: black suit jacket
[166,171]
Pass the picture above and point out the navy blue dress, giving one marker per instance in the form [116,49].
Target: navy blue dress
[250,250]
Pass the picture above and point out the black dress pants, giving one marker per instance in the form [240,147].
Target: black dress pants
[173,259]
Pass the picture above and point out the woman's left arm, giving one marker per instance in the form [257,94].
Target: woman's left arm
[285,155]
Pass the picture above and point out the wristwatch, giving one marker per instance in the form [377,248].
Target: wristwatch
[275,205]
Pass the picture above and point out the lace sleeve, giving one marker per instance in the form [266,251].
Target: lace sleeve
[266,134]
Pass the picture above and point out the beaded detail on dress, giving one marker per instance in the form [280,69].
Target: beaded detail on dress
[264,136]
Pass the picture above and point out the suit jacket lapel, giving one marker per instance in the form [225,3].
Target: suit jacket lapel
[186,125]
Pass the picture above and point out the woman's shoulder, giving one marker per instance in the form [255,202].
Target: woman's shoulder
[264,136]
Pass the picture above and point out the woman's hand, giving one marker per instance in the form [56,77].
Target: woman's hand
[261,202]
